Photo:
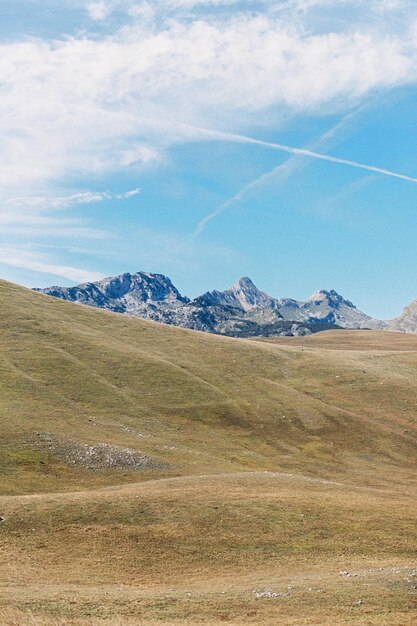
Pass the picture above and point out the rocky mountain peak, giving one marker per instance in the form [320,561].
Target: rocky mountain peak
[331,297]
[141,286]
[246,296]
[245,283]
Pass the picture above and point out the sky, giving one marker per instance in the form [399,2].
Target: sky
[212,139]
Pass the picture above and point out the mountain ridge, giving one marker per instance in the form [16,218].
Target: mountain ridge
[243,310]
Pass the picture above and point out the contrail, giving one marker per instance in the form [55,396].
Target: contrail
[308,153]
[289,150]
[284,171]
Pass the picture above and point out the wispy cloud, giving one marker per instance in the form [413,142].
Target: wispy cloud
[106,94]
[34,217]
[101,9]
[19,257]
[30,213]
[98,10]
[63,202]
[333,205]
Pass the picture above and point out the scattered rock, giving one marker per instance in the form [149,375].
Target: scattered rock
[95,457]
[268,594]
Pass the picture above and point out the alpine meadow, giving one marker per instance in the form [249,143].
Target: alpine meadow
[160,475]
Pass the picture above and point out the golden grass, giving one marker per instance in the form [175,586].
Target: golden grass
[291,461]
[361,340]
[197,550]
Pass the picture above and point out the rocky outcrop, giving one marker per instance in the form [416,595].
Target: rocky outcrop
[94,457]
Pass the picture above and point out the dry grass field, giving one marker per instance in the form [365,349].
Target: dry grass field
[153,475]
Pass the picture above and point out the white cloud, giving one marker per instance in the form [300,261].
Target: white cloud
[61,202]
[378,6]
[45,215]
[34,262]
[99,10]
[146,9]
[91,105]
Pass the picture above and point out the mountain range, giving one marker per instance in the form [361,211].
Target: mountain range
[241,311]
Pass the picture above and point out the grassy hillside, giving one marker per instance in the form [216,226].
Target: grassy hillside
[195,402]
[156,475]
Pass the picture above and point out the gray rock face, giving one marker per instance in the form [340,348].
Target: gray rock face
[151,296]
[343,312]
[241,311]
[243,295]
[407,321]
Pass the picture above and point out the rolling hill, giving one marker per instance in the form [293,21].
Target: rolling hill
[151,474]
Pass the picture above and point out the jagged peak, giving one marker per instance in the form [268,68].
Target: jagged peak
[248,296]
[242,295]
[331,296]
[124,277]
[129,275]
[139,287]
[244,282]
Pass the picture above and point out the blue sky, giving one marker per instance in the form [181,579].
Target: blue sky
[159,136]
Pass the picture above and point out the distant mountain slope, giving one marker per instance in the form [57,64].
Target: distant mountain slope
[241,311]
[407,321]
